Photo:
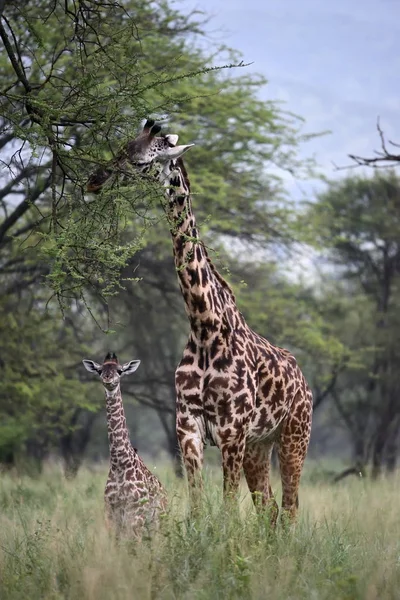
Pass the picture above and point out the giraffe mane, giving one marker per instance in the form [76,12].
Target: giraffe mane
[181,165]
[219,277]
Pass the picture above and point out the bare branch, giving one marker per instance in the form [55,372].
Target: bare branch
[2,6]
[13,59]
[384,158]
[23,207]
[14,182]
[321,395]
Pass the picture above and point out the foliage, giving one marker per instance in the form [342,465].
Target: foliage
[41,390]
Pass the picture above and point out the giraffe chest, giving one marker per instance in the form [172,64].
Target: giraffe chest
[125,486]
[223,404]
[226,410]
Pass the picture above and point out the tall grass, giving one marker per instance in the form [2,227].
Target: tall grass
[54,544]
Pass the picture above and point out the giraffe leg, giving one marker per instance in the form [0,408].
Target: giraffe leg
[293,445]
[256,466]
[189,428]
[192,449]
[232,462]
[109,496]
[108,516]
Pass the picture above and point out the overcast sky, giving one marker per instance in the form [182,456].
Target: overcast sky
[336,64]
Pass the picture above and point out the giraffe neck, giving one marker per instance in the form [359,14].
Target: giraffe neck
[118,435]
[205,292]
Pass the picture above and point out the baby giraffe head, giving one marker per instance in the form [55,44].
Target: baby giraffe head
[111,371]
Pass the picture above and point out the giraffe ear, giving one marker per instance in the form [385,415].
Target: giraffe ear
[92,366]
[130,367]
[172,138]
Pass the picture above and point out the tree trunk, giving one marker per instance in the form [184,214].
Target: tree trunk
[378,450]
[392,446]
[74,442]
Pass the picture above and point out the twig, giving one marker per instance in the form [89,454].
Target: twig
[383,159]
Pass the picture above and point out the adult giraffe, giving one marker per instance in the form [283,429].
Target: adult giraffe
[234,388]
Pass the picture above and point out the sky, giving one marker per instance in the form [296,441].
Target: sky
[336,64]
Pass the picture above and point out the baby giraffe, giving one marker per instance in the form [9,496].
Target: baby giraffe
[134,497]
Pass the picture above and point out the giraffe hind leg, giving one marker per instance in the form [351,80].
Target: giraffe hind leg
[292,450]
[256,466]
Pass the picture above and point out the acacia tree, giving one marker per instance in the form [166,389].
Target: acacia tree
[73,83]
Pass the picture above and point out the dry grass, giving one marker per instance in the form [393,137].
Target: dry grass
[54,545]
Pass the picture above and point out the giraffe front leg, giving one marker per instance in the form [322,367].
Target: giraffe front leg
[110,512]
[232,462]
[190,423]
[192,448]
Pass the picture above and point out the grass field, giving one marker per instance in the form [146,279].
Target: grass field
[53,544]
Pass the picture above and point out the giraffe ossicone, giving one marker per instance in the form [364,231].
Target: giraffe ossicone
[134,498]
[234,388]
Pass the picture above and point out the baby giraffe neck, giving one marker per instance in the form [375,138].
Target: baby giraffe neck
[118,435]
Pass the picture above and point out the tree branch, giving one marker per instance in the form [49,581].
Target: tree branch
[22,208]
[383,157]
[2,6]
[13,59]
[337,369]
[13,182]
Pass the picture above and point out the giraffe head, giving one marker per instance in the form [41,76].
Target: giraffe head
[146,150]
[111,371]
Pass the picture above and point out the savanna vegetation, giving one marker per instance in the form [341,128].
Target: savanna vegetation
[54,544]
[82,275]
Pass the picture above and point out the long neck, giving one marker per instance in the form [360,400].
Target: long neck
[118,435]
[204,290]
